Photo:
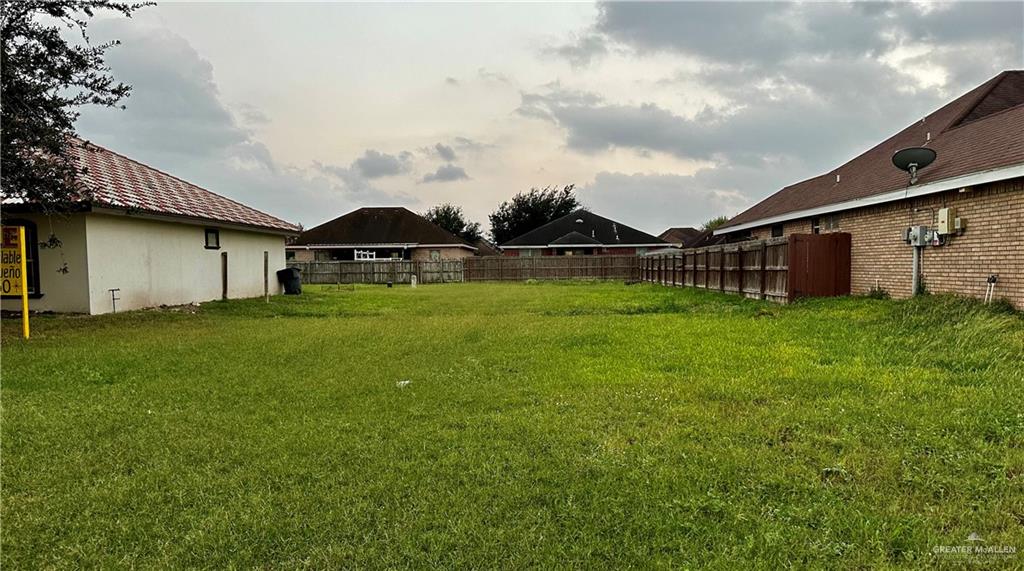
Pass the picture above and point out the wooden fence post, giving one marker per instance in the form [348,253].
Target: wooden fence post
[739,260]
[764,268]
[707,269]
[721,269]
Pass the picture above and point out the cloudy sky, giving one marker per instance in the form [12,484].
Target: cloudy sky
[661,114]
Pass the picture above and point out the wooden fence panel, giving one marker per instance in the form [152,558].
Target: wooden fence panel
[757,268]
[379,272]
[522,268]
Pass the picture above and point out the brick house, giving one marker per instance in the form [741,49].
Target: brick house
[378,233]
[978,175]
[582,233]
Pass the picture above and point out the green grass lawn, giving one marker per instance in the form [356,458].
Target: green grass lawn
[578,425]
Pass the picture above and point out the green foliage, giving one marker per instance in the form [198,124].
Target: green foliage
[452,219]
[529,210]
[714,222]
[44,79]
[878,292]
[588,425]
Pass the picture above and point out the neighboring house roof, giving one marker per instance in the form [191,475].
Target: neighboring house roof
[485,248]
[979,131]
[681,235]
[575,239]
[705,238]
[593,229]
[118,182]
[379,226]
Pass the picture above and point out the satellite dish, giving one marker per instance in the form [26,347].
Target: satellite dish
[912,159]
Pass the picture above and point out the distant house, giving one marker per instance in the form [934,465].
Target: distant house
[680,236]
[970,201]
[144,238]
[582,233]
[378,233]
[688,237]
[485,247]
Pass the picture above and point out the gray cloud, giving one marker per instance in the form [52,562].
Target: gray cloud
[488,75]
[445,152]
[375,164]
[667,199]
[805,86]
[446,173]
[176,120]
[765,33]
[581,50]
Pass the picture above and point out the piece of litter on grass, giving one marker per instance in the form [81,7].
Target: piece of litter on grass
[403,384]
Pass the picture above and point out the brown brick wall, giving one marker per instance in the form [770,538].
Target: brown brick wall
[993,243]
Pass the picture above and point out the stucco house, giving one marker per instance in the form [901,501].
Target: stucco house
[582,233]
[971,200]
[378,233]
[142,238]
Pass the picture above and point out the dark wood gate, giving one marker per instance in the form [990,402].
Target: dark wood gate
[819,265]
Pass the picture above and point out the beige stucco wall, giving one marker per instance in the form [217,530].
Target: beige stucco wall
[165,263]
[63,291]
[303,255]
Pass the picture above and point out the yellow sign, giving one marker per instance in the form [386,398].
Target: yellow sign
[13,275]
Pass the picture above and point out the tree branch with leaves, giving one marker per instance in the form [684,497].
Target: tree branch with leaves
[529,210]
[452,219]
[44,80]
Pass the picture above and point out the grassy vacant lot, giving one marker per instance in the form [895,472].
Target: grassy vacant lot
[544,425]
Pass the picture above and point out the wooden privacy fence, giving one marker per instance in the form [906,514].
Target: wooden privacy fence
[485,268]
[516,268]
[379,272]
[777,269]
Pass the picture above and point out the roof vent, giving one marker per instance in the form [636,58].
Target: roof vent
[837,178]
[579,221]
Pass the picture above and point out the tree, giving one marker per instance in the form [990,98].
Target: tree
[529,210]
[714,222]
[451,218]
[44,79]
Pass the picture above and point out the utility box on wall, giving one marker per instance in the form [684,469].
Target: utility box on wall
[917,235]
[946,221]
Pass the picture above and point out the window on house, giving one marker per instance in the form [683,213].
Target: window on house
[31,255]
[815,225]
[435,255]
[365,255]
[641,250]
[776,230]
[830,222]
[322,255]
[526,253]
[289,255]
[212,239]
[396,255]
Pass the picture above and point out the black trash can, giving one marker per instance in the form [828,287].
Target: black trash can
[291,279]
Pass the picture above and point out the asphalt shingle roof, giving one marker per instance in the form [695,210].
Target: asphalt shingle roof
[378,225]
[980,130]
[596,229]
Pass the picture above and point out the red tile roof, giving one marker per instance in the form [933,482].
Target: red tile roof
[981,130]
[116,181]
